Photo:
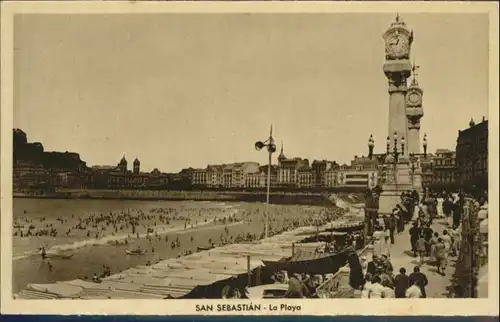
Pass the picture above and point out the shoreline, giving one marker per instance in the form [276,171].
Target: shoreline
[89,260]
[132,276]
[163,230]
[160,230]
[279,198]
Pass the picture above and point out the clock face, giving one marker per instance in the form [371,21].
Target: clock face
[397,45]
[413,98]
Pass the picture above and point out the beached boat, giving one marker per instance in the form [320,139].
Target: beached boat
[204,248]
[347,227]
[310,262]
[136,252]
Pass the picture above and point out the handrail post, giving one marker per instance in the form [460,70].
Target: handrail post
[249,272]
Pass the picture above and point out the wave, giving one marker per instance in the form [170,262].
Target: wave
[93,242]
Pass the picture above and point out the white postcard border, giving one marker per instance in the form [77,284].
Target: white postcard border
[444,307]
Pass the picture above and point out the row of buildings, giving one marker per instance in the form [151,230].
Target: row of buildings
[35,169]
[467,166]
[289,173]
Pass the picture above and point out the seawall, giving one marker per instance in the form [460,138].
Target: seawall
[297,198]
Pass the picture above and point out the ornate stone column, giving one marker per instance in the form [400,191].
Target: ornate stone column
[397,68]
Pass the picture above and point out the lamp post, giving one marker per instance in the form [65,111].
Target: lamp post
[271,148]
[414,157]
[395,153]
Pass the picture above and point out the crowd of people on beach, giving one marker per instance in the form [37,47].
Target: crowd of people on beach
[134,227]
[430,245]
[128,221]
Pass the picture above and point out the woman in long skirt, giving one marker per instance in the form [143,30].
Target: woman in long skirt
[440,212]
[433,242]
[379,242]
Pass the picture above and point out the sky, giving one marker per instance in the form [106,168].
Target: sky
[187,90]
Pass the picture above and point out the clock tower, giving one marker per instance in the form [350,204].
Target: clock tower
[397,68]
[414,113]
[399,171]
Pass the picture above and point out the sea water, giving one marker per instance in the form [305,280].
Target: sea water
[90,254]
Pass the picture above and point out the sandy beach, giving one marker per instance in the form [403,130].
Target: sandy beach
[91,254]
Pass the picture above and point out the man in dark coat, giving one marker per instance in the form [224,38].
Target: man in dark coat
[356,278]
[427,232]
[390,223]
[421,278]
[414,234]
[401,283]
[458,210]
[415,196]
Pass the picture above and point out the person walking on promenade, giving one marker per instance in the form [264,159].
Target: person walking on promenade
[427,232]
[440,201]
[441,256]
[420,278]
[421,248]
[414,235]
[447,241]
[415,196]
[401,219]
[432,243]
[386,249]
[392,223]
[379,240]
[455,241]
[447,209]
[401,283]
[431,208]
[416,212]
[458,209]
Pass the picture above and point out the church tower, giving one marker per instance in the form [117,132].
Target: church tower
[123,164]
[397,68]
[281,157]
[137,166]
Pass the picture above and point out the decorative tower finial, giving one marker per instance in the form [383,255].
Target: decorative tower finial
[281,157]
[271,131]
[472,123]
[397,17]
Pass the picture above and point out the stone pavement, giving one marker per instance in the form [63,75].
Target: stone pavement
[401,256]
[482,286]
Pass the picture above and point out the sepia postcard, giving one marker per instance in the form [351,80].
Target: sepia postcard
[250,158]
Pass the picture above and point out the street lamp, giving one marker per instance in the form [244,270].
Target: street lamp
[395,152]
[424,144]
[271,148]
